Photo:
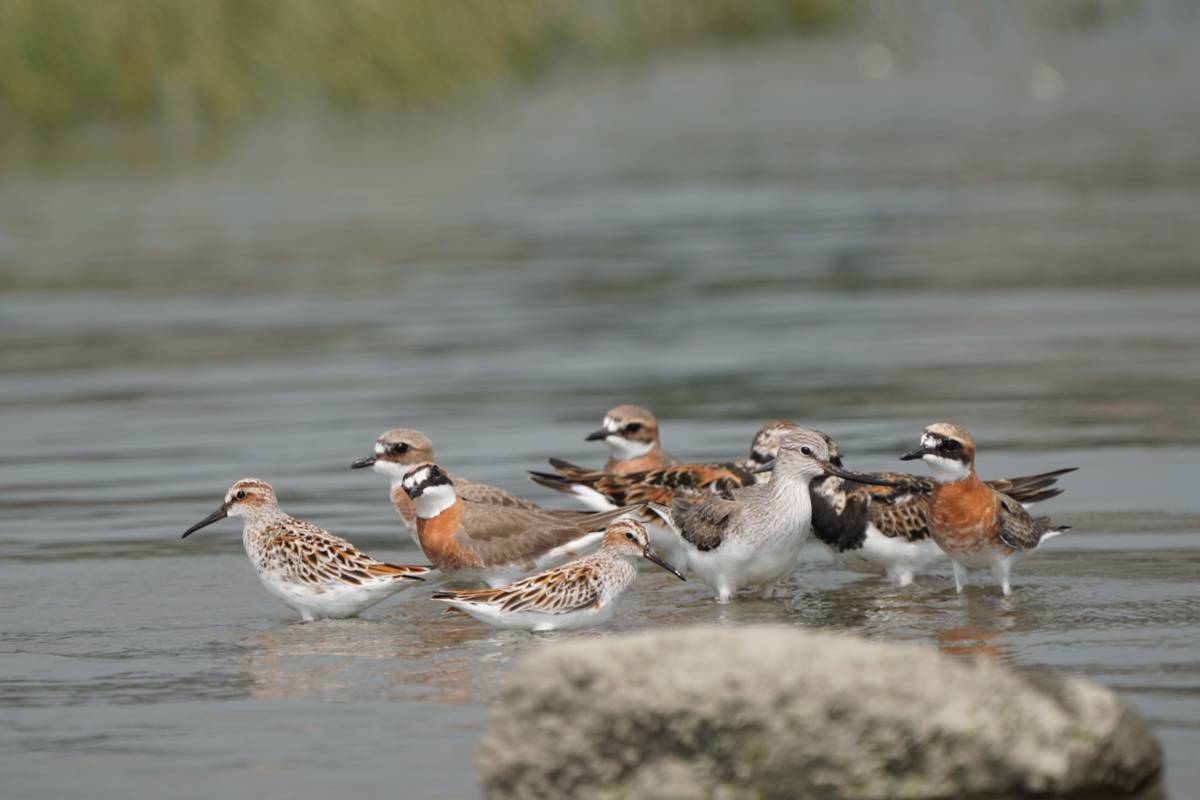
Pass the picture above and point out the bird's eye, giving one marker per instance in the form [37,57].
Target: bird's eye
[629,536]
[633,427]
[950,446]
[400,447]
[241,494]
[806,450]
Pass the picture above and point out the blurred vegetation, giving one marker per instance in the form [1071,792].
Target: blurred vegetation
[64,62]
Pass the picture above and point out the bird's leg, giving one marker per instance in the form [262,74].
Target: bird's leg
[960,576]
[1001,570]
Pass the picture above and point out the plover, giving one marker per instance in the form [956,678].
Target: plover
[310,569]
[631,433]
[579,594]
[885,529]
[397,450]
[973,523]
[754,537]
[495,544]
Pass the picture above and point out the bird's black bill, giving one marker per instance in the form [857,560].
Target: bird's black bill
[596,436]
[766,466]
[653,558]
[913,455]
[218,515]
[859,477]
[365,461]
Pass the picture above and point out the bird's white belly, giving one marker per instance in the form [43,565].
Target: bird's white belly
[539,621]
[741,561]
[331,600]
[880,554]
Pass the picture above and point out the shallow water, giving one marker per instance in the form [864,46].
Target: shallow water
[724,238]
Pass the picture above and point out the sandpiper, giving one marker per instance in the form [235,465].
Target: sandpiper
[310,569]
[973,523]
[631,433]
[601,490]
[397,450]
[495,544]
[579,594]
[885,529]
[753,538]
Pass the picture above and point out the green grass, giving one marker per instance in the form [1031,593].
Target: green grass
[67,62]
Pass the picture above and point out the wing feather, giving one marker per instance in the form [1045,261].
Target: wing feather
[502,535]
[569,588]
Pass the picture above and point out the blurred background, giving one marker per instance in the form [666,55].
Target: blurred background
[244,238]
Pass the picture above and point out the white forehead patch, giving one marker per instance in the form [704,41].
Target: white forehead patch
[929,440]
[610,424]
[379,448]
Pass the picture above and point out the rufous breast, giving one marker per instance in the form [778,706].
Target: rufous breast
[963,515]
[439,545]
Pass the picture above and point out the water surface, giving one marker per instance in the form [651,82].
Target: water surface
[724,238]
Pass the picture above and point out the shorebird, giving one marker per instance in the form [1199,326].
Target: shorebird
[973,523]
[631,433]
[310,569]
[495,544]
[603,490]
[754,537]
[579,594]
[885,529]
[606,490]
[397,450]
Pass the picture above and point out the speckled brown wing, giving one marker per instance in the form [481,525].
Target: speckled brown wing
[311,555]
[703,524]
[898,512]
[656,485]
[557,591]
[492,495]
[499,535]
[842,510]
[1018,528]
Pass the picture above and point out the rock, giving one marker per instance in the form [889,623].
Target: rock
[771,712]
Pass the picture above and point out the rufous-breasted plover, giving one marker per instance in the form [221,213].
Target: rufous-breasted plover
[397,450]
[885,529]
[973,523]
[495,544]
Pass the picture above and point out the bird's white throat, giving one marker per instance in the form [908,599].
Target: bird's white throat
[434,500]
[625,450]
[946,470]
[391,470]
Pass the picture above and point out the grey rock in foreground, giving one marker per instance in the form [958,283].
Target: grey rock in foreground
[769,712]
